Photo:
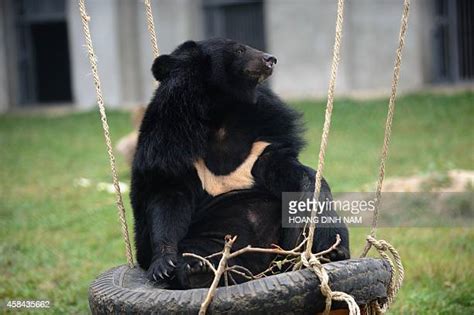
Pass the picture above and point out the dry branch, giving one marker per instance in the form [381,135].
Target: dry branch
[218,274]
[204,260]
[224,269]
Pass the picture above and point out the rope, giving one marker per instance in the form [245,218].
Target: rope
[314,263]
[311,262]
[398,272]
[388,123]
[327,118]
[382,246]
[105,126]
[308,259]
[151,28]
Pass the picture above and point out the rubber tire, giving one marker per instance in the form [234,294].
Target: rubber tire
[124,290]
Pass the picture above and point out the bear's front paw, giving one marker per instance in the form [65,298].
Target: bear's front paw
[162,267]
[194,273]
[196,267]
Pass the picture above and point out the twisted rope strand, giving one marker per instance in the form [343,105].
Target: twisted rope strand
[314,264]
[327,117]
[397,276]
[382,246]
[388,123]
[151,29]
[308,259]
[105,126]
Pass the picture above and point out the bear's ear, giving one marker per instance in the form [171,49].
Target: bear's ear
[162,66]
[190,44]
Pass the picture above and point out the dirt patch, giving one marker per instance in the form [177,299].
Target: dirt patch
[450,181]
[436,199]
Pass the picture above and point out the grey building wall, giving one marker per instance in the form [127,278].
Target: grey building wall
[4,94]
[104,24]
[372,39]
[301,33]
[122,44]
[175,22]
[8,73]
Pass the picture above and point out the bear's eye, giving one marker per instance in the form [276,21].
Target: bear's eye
[240,50]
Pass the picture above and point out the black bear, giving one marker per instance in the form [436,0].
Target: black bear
[215,152]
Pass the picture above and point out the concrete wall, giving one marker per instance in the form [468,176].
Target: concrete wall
[175,22]
[4,93]
[372,38]
[103,25]
[122,44]
[129,52]
[301,34]
[8,58]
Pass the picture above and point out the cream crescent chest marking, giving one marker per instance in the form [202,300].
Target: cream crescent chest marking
[240,178]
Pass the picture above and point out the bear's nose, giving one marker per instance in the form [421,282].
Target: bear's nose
[269,60]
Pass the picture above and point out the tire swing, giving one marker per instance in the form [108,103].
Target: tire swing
[363,284]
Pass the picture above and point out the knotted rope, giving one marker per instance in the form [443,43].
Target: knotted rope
[383,246]
[314,264]
[105,126]
[388,123]
[308,259]
[397,277]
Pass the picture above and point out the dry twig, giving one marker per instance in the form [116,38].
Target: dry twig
[224,269]
[218,273]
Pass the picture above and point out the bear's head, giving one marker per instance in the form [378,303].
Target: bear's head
[222,64]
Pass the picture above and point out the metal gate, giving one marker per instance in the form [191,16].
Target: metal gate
[454,41]
[241,20]
[42,51]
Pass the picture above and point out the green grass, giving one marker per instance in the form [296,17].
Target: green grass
[55,237]
[430,133]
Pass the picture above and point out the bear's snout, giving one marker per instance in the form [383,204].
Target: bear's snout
[269,60]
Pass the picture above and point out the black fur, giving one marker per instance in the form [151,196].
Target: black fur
[206,86]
